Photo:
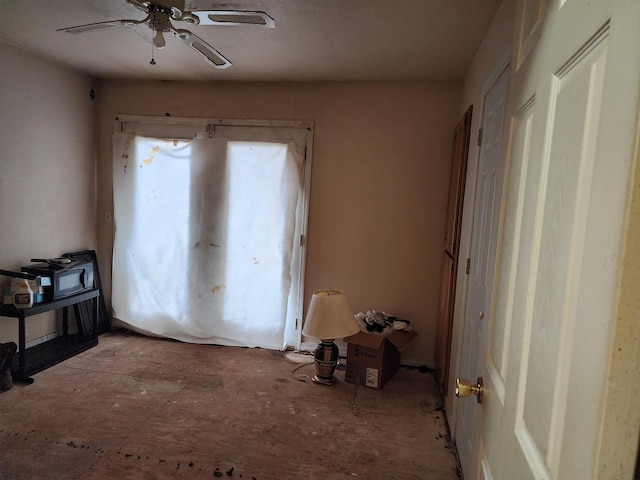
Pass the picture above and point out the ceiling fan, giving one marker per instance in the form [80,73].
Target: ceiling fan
[160,13]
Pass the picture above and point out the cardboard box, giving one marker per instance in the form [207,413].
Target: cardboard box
[373,359]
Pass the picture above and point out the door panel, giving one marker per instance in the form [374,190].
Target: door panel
[447,291]
[531,20]
[569,169]
[517,238]
[450,237]
[457,183]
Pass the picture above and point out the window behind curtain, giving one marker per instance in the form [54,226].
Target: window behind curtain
[207,243]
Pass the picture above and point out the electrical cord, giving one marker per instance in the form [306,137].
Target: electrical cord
[303,359]
[301,378]
[305,378]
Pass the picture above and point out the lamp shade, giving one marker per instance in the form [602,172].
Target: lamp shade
[329,316]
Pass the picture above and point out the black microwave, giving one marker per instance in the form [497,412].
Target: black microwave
[70,279]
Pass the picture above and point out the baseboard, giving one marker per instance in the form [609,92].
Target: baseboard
[311,346]
[407,362]
[45,338]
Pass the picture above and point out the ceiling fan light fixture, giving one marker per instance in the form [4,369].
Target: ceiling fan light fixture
[158,40]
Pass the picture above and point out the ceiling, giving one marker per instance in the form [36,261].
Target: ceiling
[313,40]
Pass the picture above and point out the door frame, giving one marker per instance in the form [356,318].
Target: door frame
[621,413]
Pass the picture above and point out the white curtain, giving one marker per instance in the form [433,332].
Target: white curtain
[206,248]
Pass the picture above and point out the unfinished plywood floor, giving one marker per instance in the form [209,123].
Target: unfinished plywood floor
[135,407]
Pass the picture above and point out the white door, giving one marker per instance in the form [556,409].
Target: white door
[544,351]
[483,259]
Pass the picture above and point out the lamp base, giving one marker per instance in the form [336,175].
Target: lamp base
[324,380]
[326,358]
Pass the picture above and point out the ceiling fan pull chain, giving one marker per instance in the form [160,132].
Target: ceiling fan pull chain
[153,61]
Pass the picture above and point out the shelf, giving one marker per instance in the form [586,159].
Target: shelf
[37,358]
[11,311]
[46,354]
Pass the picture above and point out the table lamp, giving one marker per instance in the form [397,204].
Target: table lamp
[329,317]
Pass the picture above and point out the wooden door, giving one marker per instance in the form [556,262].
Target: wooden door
[457,182]
[544,350]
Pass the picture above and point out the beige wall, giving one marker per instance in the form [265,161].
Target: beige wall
[47,174]
[380,172]
[378,195]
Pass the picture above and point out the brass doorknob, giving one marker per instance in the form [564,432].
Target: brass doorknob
[464,388]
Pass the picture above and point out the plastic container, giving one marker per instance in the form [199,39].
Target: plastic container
[23,297]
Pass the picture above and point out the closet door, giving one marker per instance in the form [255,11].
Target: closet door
[451,243]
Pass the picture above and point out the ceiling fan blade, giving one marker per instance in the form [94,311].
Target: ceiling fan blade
[210,54]
[90,27]
[234,17]
[139,5]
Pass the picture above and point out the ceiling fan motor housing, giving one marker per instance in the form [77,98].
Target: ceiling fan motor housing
[171,8]
[159,18]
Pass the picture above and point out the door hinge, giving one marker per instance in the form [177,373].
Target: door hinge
[468,269]
[296,324]
[480,136]
[301,240]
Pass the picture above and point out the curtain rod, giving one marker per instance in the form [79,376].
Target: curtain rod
[208,122]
